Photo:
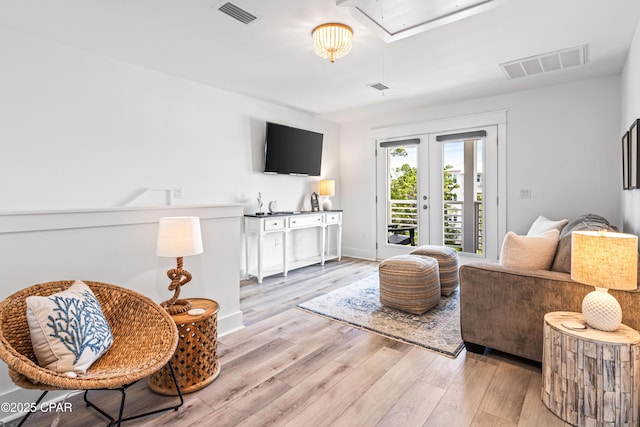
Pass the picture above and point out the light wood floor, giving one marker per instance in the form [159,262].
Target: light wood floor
[292,368]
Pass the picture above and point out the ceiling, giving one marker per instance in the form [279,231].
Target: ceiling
[272,58]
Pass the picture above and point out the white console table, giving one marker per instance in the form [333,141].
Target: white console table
[256,227]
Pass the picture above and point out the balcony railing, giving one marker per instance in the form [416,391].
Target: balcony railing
[404,213]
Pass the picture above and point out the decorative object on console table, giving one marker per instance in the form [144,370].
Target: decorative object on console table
[590,377]
[195,360]
[315,206]
[327,189]
[260,204]
[605,260]
[178,237]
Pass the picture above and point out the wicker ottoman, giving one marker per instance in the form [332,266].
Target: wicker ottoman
[447,262]
[409,283]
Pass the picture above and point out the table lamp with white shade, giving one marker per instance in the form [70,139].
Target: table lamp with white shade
[178,237]
[327,189]
[606,260]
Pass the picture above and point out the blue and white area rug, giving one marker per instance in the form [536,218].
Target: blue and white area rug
[359,305]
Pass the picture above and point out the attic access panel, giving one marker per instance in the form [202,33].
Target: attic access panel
[393,21]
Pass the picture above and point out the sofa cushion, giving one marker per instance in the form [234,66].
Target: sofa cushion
[530,252]
[542,224]
[562,260]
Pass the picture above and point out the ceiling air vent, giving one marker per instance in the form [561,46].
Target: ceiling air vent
[379,86]
[545,62]
[237,13]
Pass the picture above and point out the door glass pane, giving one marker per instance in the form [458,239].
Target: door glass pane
[402,202]
[463,183]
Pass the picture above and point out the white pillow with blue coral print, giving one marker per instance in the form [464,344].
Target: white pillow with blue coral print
[68,329]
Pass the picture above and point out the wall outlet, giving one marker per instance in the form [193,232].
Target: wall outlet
[177,192]
[525,193]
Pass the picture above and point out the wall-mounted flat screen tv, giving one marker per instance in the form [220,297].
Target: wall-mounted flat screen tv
[292,151]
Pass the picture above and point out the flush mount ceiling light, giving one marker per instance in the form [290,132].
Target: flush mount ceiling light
[332,40]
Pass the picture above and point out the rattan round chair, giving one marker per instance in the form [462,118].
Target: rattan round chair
[144,340]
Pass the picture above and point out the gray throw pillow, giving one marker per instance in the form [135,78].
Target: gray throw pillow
[562,260]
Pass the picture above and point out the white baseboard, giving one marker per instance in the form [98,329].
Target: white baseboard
[230,323]
[359,253]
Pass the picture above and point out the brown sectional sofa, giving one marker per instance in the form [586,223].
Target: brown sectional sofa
[503,307]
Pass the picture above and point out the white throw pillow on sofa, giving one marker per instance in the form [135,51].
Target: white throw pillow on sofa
[543,224]
[530,252]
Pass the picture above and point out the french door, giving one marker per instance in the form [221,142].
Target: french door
[401,180]
[438,188]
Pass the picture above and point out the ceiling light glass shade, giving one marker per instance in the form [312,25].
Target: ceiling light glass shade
[332,40]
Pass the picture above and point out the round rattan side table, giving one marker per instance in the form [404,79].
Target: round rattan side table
[195,361]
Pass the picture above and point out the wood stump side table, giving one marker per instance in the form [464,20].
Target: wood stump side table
[195,361]
[590,377]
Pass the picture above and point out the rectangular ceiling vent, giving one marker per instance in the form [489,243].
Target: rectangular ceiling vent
[379,86]
[545,62]
[237,13]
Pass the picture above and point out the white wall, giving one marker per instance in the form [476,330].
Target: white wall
[630,93]
[84,131]
[562,143]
